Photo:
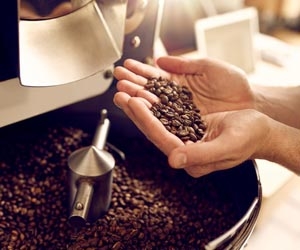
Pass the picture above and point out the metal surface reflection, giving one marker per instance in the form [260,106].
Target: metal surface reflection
[66,41]
[135,14]
[46,9]
[62,41]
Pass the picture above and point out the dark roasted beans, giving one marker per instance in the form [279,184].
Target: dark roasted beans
[176,109]
[152,207]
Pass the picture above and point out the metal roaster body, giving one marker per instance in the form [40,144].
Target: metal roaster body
[55,53]
[59,52]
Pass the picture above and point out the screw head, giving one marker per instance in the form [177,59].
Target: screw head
[136,41]
[79,206]
[107,74]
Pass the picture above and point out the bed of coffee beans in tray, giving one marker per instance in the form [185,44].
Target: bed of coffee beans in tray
[176,109]
[152,207]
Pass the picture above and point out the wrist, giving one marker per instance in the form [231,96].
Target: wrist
[279,103]
[281,145]
[261,101]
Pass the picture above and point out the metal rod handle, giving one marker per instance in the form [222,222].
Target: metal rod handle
[81,205]
[101,133]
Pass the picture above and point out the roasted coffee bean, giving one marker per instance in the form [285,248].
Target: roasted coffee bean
[152,205]
[164,98]
[170,114]
[176,101]
[193,137]
[176,123]
[164,121]
[187,122]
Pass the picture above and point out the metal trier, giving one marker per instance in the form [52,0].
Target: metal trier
[91,178]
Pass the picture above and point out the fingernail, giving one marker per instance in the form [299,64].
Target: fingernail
[180,160]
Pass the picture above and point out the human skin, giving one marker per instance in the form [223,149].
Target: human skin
[244,121]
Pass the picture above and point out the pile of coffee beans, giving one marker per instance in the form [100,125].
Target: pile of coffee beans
[176,109]
[34,187]
[152,207]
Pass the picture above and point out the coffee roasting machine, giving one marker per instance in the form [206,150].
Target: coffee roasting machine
[58,52]
[55,53]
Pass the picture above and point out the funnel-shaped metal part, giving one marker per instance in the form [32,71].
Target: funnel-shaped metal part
[91,178]
[91,162]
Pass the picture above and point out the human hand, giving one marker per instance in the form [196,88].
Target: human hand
[216,86]
[231,138]
[138,110]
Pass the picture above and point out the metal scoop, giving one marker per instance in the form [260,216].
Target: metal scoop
[91,178]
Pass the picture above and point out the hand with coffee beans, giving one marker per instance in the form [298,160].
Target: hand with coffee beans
[242,121]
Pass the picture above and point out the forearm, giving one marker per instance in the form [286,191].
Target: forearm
[280,103]
[282,145]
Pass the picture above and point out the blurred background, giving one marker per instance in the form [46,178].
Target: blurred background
[279,18]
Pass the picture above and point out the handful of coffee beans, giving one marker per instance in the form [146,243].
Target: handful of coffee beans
[176,110]
[153,206]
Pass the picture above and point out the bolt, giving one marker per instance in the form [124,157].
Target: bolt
[79,206]
[135,41]
[107,74]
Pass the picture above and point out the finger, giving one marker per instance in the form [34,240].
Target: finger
[135,90]
[144,70]
[137,109]
[122,73]
[204,152]
[201,170]
[151,127]
[180,65]
[183,65]
[121,100]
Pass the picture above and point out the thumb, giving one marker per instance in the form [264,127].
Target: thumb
[179,65]
[182,65]
[202,153]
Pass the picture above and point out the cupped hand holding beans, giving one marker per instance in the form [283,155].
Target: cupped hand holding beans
[216,86]
[217,89]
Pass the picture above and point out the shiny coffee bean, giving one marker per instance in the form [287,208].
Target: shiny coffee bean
[152,205]
[176,101]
